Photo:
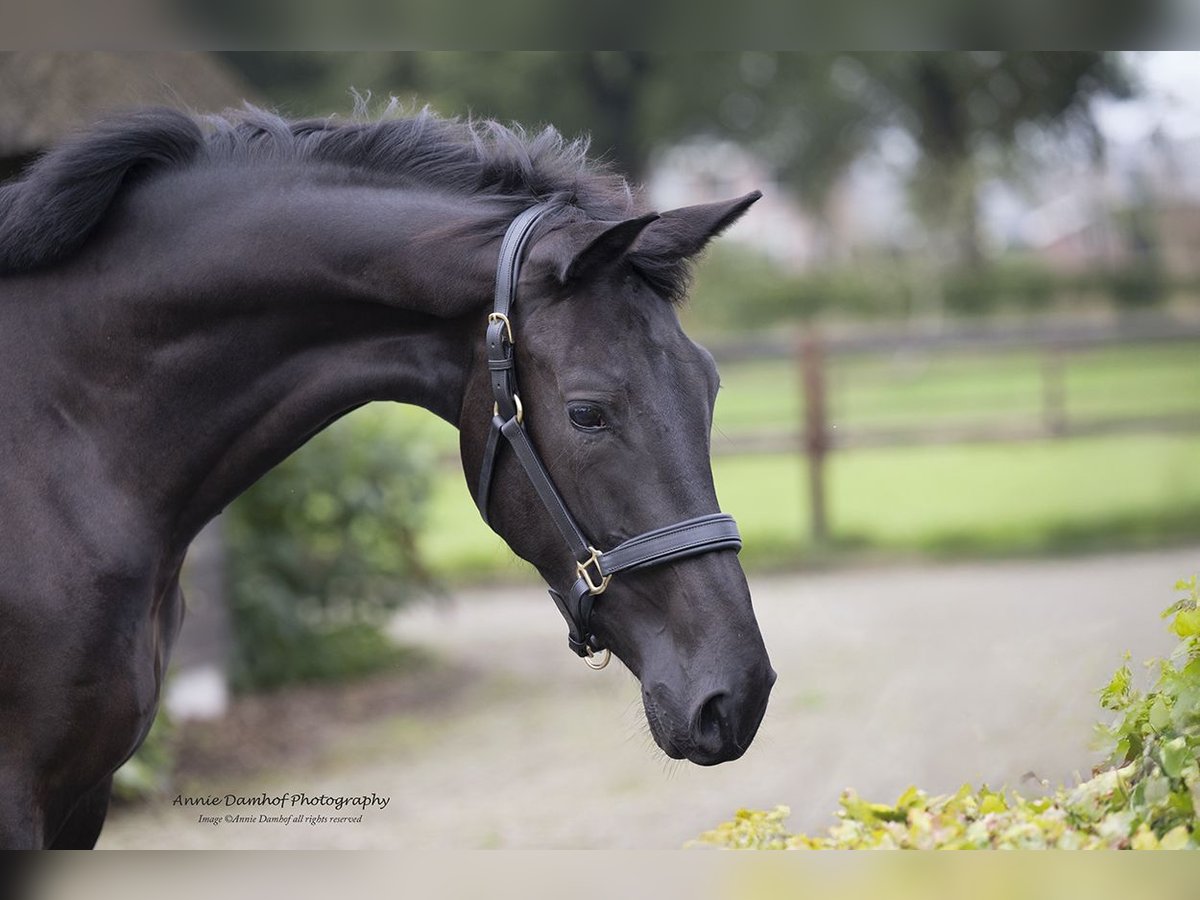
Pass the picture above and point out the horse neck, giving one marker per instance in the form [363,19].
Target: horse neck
[233,321]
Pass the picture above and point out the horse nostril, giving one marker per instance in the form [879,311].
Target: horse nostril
[712,722]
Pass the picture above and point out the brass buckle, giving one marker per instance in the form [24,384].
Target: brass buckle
[594,588]
[501,317]
[517,404]
[590,660]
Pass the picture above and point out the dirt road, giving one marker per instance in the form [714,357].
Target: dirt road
[889,676]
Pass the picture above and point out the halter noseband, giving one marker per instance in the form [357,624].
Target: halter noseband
[594,569]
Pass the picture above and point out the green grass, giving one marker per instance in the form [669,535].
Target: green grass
[1030,498]
[1041,497]
[1023,498]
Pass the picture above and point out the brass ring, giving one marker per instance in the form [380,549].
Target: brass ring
[517,404]
[605,655]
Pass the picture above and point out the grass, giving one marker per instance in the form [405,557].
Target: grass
[1039,497]
[1032,498]
[969,500]
[1120,381]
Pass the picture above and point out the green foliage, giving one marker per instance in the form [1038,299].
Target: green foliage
[322,549]
[1154,728]
[1146,799]
[1005,285]
[738,289]
[1138,286]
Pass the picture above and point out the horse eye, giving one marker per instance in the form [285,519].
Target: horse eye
[587,416]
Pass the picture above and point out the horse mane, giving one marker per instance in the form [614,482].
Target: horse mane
[48,214]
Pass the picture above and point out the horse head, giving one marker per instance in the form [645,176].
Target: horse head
[617,403]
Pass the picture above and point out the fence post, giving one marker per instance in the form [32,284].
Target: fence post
[816,433]
[1054,391]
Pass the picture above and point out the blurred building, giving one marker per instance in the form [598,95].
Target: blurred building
[704,171]
[1141,203]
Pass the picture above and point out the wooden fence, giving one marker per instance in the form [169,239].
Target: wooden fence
[1055,346]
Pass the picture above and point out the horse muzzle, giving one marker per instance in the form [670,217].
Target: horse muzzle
[716,727]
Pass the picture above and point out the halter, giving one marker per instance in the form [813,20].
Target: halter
[593,568]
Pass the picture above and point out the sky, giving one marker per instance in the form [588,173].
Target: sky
[1171,99]
[1168,102]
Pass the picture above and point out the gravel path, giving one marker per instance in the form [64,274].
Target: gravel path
[888,676]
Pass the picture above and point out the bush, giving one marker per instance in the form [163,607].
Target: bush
[1002,285]
[737,290]
[322,550]
[1139,286]
[1147,795]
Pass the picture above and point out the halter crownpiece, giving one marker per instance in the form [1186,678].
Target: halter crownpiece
[593,568]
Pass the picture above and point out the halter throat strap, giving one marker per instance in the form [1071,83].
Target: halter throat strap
[593,568]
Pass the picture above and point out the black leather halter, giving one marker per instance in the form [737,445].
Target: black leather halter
[593,568]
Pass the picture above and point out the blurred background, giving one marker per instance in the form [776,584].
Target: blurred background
[959,343]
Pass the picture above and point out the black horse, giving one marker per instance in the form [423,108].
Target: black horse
[185,302]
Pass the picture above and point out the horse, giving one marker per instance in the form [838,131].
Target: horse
[185,300]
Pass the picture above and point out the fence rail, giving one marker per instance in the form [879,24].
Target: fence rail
[815,436]
[774,442]
[975,338]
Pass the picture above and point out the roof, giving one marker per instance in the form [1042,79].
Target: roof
[47,95]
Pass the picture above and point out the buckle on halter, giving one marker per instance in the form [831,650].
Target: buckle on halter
[517,404]
[594,588]
[501,317]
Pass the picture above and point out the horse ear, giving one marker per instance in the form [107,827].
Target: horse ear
[684,232]
[603,244]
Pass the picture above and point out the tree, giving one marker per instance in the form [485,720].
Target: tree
[959,107]
[961,111]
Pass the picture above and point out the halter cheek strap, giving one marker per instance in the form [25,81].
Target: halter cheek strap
[593,568]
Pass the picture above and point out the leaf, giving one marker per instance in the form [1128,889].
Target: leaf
[1175,607]
[1144,839]
[1160,715]
[992,803]
[1116,826]
[1115,694]
[910,797]
[860,810]
[1175,839]
[1174,755]
[1157,789]
[1187,623]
